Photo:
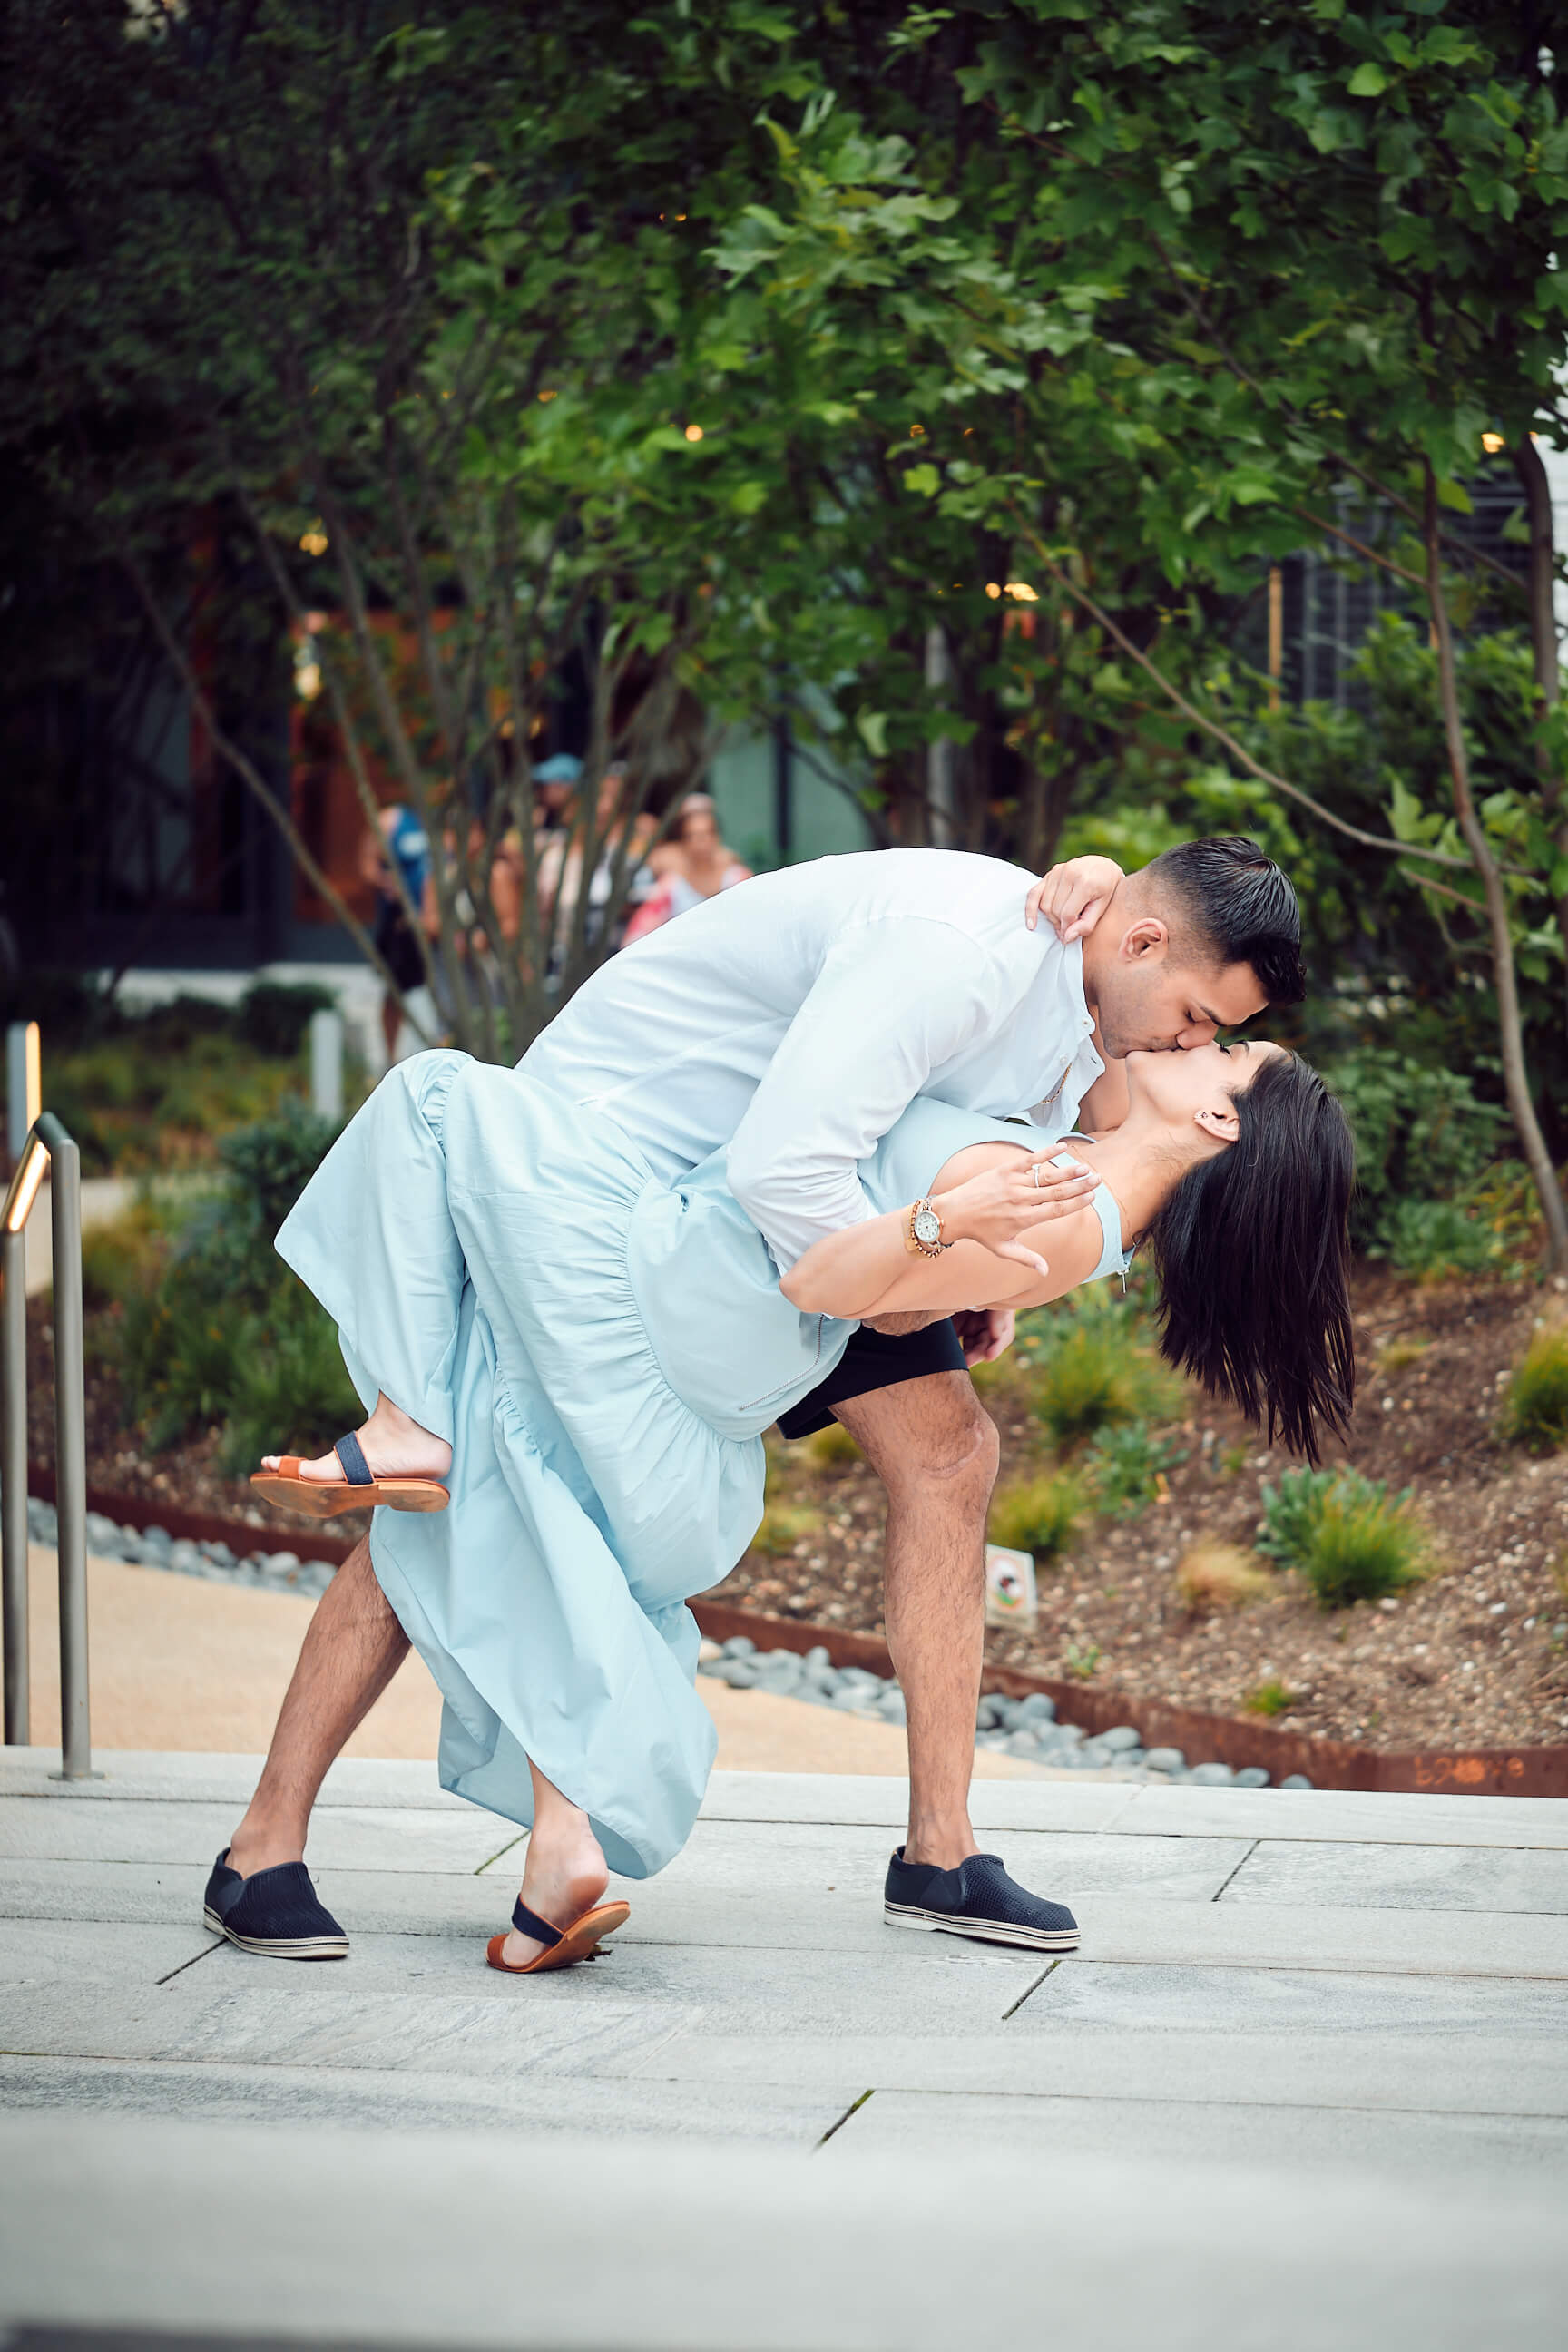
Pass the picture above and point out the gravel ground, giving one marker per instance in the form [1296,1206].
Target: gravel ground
[1476,1656]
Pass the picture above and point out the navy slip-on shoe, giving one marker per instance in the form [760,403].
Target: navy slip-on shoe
[274,1912]
[979,1899]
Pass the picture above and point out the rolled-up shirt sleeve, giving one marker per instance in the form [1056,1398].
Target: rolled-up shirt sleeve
[894,1000]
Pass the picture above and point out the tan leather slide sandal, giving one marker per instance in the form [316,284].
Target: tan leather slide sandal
[579,1941]
[358,1488]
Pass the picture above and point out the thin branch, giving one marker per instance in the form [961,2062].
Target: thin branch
[1361,547]
[246,769]
[1222,735]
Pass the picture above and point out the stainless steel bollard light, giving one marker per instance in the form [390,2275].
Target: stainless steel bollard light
[47,1145]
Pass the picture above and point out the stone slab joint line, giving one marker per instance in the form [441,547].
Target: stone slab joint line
[1049,1969]
[852,2109]
[501,1855]
[1246,1858]
[191,1963]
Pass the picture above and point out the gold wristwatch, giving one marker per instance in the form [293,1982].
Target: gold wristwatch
[923,1236]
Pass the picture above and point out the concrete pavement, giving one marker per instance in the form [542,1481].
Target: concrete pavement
[1307,2083]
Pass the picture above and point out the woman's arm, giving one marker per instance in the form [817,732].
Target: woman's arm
[998,1222]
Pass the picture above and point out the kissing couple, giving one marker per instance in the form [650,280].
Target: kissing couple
[801,1156]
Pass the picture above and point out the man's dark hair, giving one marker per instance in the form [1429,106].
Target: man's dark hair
[1240,907]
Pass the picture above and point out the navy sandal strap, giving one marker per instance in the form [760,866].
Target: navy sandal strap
[356,1469]
[529,1923]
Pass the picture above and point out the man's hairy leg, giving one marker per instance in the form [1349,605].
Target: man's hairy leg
[934,1447]
[352,1649]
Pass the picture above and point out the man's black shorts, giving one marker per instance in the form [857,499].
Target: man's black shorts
[874,1360]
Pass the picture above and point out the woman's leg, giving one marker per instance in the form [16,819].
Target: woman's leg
[563,1872]
[394,1446]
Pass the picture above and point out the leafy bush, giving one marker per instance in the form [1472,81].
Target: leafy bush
[1037,1515]
[1212,1575]
[1347,1538]
[1421,1134]
[273,1015]
[1435,1240]
[215,1328]
[292,1390]
[1126,1467]
[1535,1402]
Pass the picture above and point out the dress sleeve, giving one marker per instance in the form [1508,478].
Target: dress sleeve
[893,1000]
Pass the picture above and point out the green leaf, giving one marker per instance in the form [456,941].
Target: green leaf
[925,480]
[1369,80]
[871,726]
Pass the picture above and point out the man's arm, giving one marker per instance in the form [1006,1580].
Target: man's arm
[894,1000]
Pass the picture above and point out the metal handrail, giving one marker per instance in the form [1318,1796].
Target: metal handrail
[47,1145]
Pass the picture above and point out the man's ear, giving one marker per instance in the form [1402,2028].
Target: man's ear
[1148,941]
[1223,1126]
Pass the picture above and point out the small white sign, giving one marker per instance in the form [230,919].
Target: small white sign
[1010,1595]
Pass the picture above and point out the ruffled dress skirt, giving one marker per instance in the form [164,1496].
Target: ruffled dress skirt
[476,1238]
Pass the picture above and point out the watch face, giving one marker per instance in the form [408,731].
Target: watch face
[928,1226]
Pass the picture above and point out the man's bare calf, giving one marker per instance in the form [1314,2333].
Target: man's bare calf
[935,1449]
[354,1647]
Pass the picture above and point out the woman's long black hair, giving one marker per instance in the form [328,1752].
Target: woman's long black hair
[1253,1253]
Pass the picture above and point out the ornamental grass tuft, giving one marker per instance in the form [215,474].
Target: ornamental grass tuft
[1212,1575]
[1098,1376]
[1037,1515]
[1348,1537]
[1535,1402]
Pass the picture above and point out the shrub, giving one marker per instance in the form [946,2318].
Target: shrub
[782,1528]
[1348,1538]
[1126,1467]
[215,1329]
[832,1448]
[1212,1575]
[290,1392]
[1037,1515]
[1435,1240]
[1098,1375]
[1420,1135]
[1535,1402]
[273,1015]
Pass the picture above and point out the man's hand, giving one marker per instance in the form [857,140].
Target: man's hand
[1073,897]
[986,1332]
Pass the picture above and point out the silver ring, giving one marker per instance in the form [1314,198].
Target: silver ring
[1037,1175]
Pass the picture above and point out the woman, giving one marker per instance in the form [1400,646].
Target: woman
[590,1355]
[691,863]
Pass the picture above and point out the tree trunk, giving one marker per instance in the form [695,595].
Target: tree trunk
[1516,1078]
[1544,645]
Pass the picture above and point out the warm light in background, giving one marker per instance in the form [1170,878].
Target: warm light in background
[1492,443]
[1023,592]
[694,432]
[25,1186]
[994,588]
[314,542]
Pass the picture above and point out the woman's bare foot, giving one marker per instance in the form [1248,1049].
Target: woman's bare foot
[394,1446]
[564,1875]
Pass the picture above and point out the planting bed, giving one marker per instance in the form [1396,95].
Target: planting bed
[1474,1658]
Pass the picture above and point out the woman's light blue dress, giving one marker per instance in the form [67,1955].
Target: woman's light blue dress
[602,1348]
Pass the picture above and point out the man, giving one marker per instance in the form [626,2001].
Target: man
[796,1017]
